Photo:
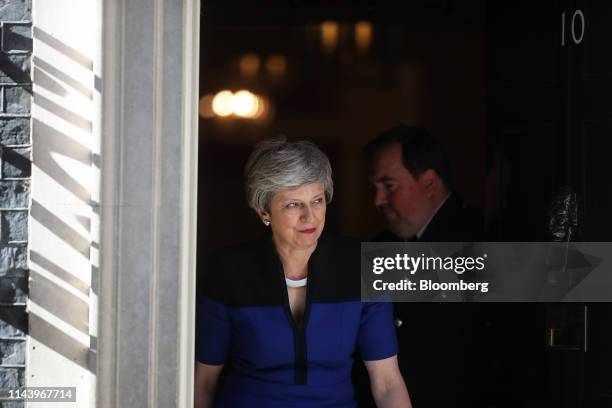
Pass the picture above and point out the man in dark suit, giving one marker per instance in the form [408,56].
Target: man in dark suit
[411,176]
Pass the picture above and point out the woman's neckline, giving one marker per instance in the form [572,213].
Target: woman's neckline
[296,283]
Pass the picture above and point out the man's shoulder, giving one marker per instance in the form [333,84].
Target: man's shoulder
[456,221]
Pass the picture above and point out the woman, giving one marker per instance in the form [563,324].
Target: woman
[285,314]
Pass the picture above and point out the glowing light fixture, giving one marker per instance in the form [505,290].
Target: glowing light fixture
[276,64]
[242,104]
[249,64]
[222,103]
[206,108]
[329,35]
[263,109]
[245,104]
[363,35]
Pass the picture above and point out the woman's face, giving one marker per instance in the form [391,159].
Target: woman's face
[297,216]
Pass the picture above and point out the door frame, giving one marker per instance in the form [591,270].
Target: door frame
[148,202]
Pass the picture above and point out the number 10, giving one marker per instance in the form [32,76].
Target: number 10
[577,38]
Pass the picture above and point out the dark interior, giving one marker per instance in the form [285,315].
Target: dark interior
[518,93]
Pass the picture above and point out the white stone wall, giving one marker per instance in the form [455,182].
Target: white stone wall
[61,350]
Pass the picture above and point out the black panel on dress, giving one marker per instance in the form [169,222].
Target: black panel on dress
[250,274]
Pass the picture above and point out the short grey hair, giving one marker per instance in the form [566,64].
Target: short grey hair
[276,164]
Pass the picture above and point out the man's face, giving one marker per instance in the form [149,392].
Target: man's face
[402,199]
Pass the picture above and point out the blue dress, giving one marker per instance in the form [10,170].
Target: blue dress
[244,322]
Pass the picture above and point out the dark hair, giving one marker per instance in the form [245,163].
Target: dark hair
[420,151]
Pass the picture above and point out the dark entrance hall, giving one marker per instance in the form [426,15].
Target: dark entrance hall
[520,95]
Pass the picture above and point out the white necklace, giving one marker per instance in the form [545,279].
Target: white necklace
[299,283]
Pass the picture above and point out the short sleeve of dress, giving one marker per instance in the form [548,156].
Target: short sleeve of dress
[377,339]
[213,331]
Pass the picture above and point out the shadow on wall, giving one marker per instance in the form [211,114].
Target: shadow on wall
[59,290]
